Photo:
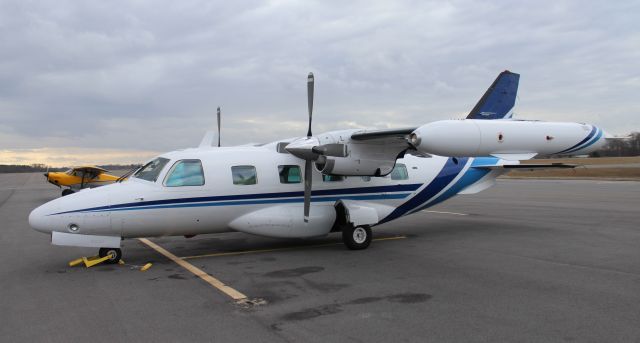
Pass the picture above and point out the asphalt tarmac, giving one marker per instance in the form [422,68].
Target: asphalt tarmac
[525,261]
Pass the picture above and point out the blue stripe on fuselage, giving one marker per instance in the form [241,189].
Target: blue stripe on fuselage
[252,197]
[471,176]
[591,134]
[448,173]
[267,201]
[589,143]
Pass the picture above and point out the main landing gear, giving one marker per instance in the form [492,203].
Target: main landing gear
[356,238]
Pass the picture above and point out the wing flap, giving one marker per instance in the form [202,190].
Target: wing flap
[382,134]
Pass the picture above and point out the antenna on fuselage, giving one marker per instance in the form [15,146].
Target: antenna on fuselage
[218,126]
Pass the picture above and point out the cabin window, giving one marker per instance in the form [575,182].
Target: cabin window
[366,178]
[185,173]
[289,174]
[151,170]
[332,178]
[399,172]
[244,175]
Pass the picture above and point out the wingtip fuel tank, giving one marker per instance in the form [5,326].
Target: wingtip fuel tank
[472,138]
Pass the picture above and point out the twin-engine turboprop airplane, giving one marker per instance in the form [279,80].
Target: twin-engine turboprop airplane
[348,181]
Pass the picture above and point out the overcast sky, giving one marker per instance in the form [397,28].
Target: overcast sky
[131,78]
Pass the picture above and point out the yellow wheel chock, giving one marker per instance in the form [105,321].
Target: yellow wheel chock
[88,261]
[75,262]
[94,260]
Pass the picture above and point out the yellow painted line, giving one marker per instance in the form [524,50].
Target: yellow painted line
[244,252]
[235,295]
[444,212]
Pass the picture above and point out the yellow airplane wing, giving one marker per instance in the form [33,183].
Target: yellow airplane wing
[89,169]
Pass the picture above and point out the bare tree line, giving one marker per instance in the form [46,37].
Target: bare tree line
[620,147]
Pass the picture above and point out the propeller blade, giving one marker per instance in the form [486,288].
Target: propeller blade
[218,126]
[310,100]
[307,188]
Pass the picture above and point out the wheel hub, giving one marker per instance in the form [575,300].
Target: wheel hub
[359,235]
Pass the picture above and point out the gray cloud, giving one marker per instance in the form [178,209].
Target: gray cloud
[145,75]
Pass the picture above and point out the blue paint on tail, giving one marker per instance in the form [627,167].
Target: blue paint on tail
[498,101]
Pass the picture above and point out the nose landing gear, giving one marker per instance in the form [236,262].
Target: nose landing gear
[105,255]
[114,254]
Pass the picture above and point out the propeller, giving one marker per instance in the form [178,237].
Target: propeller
[309,149]
[308,164]
[218,126]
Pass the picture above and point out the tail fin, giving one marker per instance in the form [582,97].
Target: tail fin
[498,101]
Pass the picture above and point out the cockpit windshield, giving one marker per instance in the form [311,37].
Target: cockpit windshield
[151,170]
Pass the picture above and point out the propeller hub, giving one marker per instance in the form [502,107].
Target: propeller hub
[303,148]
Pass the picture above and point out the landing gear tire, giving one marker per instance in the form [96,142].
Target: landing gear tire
[114,253]
[66,192]
[356,238]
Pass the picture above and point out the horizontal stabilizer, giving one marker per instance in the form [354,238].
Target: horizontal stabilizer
[207,140]
[516,157]
[537,166]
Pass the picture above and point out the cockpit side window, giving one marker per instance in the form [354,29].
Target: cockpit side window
[185,173]
[151,170]
[399,172]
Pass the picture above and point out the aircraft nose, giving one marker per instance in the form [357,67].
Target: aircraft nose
[39,221]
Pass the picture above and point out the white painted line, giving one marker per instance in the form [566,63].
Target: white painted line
[444,212]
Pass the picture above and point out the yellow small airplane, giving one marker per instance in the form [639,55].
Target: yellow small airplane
[80,177]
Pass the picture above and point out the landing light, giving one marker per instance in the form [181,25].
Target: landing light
[74,227]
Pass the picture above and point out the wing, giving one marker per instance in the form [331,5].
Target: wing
[90,169]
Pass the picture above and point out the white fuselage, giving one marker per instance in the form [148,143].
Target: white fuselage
[140,208]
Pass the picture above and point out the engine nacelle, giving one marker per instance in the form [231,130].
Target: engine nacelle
[349,166]
[336,153]
[360,160]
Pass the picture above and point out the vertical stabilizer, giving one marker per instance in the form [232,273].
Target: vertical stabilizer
[498,101]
